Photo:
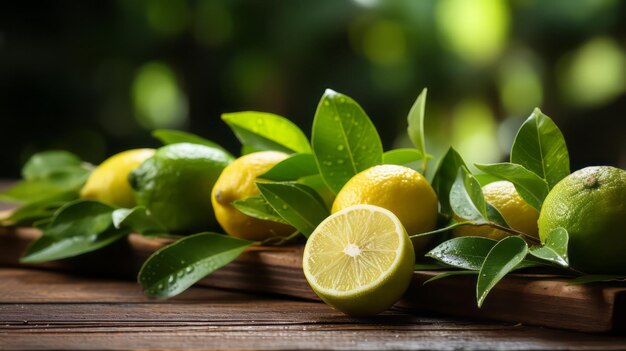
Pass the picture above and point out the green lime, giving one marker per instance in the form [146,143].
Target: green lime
[591,205]
[359,260]
[175,185]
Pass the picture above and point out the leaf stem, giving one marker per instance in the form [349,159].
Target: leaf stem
[513,231]
[277,240]
[441,230]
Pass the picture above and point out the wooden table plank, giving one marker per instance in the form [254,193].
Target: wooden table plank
[43,310]
[538,299]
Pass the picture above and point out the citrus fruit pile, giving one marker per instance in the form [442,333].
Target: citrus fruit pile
[366,214]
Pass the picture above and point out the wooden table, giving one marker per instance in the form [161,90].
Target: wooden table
[49,310]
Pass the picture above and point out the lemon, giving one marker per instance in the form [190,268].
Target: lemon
[237,182]
[591,205]
[108,183]
[516,212]
[399,189]
[175,185]
[359,260]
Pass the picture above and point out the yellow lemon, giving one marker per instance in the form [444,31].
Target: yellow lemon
[516,212]
[108,183]
[237,182]
[400,190]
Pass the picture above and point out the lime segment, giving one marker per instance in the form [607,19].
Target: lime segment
[359,260]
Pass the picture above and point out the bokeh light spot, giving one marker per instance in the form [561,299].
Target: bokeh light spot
[474,133]
[157,98]
[476,30]
[384,43]
[594,74]
[520,86]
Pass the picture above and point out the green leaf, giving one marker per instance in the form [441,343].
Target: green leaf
[138,220]
[41,165]
[29,191]
[596,278]
[405,157]
[78,227]
[540,147]
[555,247]
[503,258]
[494,216]
[466,252]
[345,142]
[485,179]
[532,188]
[293,167]
[176,267]
[445,176]
[38,210]
[316,182]
[266,131]
[415,128]
[257,207]
[48,175]
[298,204]
[449,274]
[169,136]
[466,197]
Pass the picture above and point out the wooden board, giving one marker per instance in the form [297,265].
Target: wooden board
[50,310]
[528,299]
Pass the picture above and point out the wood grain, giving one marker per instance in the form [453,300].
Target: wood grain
[529,299]
[50,310]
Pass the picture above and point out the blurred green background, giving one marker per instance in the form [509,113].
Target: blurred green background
[95,77]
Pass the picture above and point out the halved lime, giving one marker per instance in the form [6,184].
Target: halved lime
[359,260]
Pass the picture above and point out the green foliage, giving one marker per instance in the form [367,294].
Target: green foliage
[257,207]
[296,203]
[344,140]
[139,220]
[45,164]
[78,227]
[48,175]
[51,179]
[174,268]
[464,252]
[415,128]
[501,259]
[293,167]
[37,210]
[540,147]
[532,188]
[405,157]
[466,197]
[555,247]
[445,176]
[259,131]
